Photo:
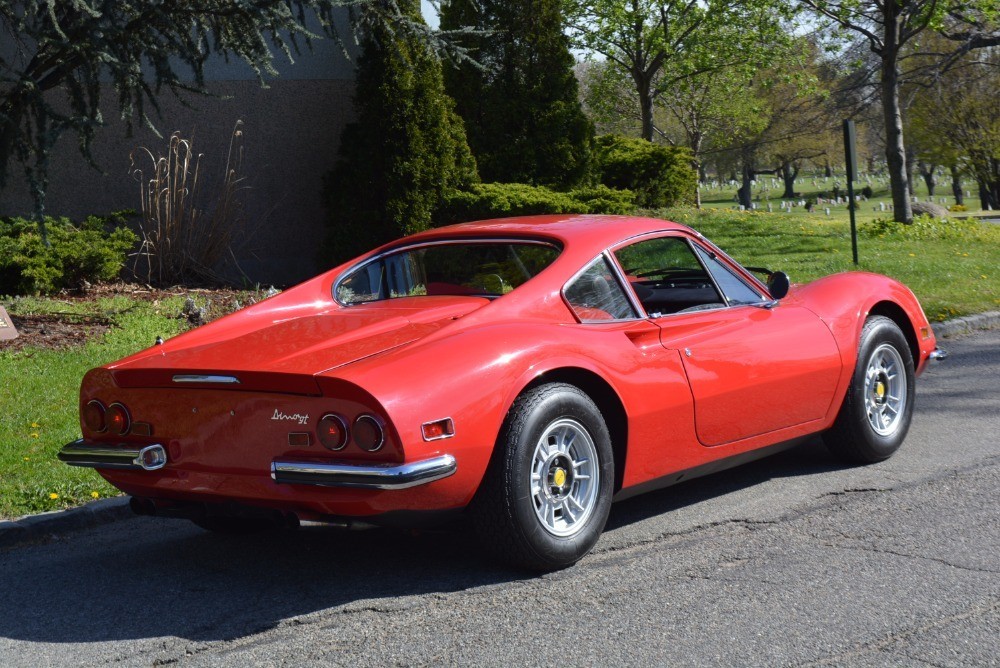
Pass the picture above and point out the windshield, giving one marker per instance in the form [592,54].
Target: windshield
[483,269]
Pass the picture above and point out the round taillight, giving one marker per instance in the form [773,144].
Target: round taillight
[117,419]
[369,433]
[332,431]
[93,416]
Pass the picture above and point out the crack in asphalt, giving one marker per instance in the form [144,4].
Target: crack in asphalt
[884,643]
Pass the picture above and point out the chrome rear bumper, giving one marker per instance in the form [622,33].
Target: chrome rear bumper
[367,477]
[103,456]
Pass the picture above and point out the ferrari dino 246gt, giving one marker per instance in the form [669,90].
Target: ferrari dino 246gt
[524,372]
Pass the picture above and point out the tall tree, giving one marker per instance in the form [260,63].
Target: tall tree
[521,101]
[658,43]
[406,149]
[888,27]
[956,119]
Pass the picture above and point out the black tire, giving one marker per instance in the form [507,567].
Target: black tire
[508,511]
[858,436]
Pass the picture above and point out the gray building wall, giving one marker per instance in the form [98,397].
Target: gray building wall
[291,136]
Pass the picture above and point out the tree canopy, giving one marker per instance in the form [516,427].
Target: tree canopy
[520,100]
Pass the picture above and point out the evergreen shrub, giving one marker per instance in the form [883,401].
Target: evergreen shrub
[660,176]
[499,200]
[93,251]
[406,149]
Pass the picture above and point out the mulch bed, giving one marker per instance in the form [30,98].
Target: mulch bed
[62,330]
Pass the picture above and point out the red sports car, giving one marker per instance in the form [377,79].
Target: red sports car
[524,372]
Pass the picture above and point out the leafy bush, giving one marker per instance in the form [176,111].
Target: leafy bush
[659,175]
[88,252]
[498,200]
[866,192]
[925,227]
[602,199]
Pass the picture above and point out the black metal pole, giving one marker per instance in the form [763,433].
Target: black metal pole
[852,174]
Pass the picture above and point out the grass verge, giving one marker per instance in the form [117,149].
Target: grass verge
[38,397]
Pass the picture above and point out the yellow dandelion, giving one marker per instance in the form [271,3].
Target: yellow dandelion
[28,459]
[982,275]
[913,255]
[965,255]
[34,435]
[35,425]
[95,495]
[53,496]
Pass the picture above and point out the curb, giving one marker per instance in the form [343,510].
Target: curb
[966,325]
[39,528]
[33,529]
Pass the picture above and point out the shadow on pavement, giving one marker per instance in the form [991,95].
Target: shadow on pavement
[148,578]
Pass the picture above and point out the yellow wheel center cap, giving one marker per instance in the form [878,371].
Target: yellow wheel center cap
[559,477]
[880,389]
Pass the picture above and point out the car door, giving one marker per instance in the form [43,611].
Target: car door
[754,366]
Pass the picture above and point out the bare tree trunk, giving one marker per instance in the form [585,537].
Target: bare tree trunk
[895,151]
[956,185]
[927,173]
[827,168]
[911,171]
[644,88]
[745,193]
[788,173]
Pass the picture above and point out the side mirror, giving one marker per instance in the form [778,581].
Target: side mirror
[778,284]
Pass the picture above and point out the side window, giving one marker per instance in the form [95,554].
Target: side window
[667,276]
[596,296]
[737,292]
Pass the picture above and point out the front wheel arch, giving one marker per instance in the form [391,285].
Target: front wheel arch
[895,312]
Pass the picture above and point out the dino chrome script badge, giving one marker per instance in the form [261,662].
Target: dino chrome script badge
[7,329]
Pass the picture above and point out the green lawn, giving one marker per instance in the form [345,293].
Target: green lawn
[38,399]
[953,267]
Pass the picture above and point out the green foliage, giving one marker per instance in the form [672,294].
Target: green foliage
[867,192]
[88,252]
[498,200]
[926,227]
[520,104]
[659,175]
[406,149]
[602,199]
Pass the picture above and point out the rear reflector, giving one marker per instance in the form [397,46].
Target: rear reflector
[438,429]
[141,429]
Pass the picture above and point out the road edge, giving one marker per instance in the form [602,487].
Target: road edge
[966,325]
[32,529]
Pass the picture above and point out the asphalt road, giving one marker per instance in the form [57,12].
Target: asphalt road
[794,560]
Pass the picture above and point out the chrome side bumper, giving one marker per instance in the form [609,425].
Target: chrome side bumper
[938,355]
[102,456]
[368,477]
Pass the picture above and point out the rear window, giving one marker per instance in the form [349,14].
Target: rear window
[477,268]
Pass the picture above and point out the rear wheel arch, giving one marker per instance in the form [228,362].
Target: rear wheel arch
[608,402]
[895,312]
